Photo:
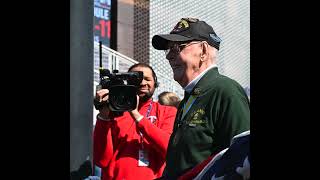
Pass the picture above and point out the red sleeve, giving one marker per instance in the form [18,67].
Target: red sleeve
[159,135]
[102,143]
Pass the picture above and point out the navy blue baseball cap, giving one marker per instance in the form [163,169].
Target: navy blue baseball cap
[187,29]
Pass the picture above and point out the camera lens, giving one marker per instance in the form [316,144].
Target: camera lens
[123,97]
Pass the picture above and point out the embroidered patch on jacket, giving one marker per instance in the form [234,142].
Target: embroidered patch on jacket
[197,117]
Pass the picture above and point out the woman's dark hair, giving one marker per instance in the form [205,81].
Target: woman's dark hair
[146,66]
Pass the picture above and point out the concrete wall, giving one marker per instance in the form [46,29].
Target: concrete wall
[81,81]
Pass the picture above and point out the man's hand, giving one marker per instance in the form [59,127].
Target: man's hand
[102,97]
[135,113]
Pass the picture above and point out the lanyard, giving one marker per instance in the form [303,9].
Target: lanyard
[188,105]
[147,115]
[149,109]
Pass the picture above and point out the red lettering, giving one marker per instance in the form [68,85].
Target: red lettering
[108,25]
[102,25]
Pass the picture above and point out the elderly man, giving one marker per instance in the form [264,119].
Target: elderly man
[215,108]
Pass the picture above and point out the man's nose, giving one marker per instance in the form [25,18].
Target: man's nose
[170,56]
[143,82]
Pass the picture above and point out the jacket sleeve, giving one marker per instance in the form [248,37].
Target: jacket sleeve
[235,118]
[159,135]
[102,143]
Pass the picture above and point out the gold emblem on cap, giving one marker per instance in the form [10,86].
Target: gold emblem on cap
[183,24]
[189,19]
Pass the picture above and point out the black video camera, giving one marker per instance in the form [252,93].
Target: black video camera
[123,89]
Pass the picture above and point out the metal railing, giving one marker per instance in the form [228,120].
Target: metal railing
[111,60]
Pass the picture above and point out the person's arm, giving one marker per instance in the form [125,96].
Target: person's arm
[102,134]
[159,136]
[102,142]
[235,118]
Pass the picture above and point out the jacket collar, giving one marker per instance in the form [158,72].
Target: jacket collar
[204,83]
[194,82]
[144,104]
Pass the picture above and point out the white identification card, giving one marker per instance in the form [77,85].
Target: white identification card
[143,158]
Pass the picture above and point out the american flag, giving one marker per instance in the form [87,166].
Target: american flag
[232,163]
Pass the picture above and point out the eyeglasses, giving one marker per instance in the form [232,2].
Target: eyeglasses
[177,48]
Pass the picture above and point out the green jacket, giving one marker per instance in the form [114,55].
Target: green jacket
[219,112]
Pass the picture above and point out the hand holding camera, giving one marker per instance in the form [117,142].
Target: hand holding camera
[119,90]
[101,103]
[122,88]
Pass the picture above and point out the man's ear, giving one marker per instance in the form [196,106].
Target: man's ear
[205,49]
[204,52]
